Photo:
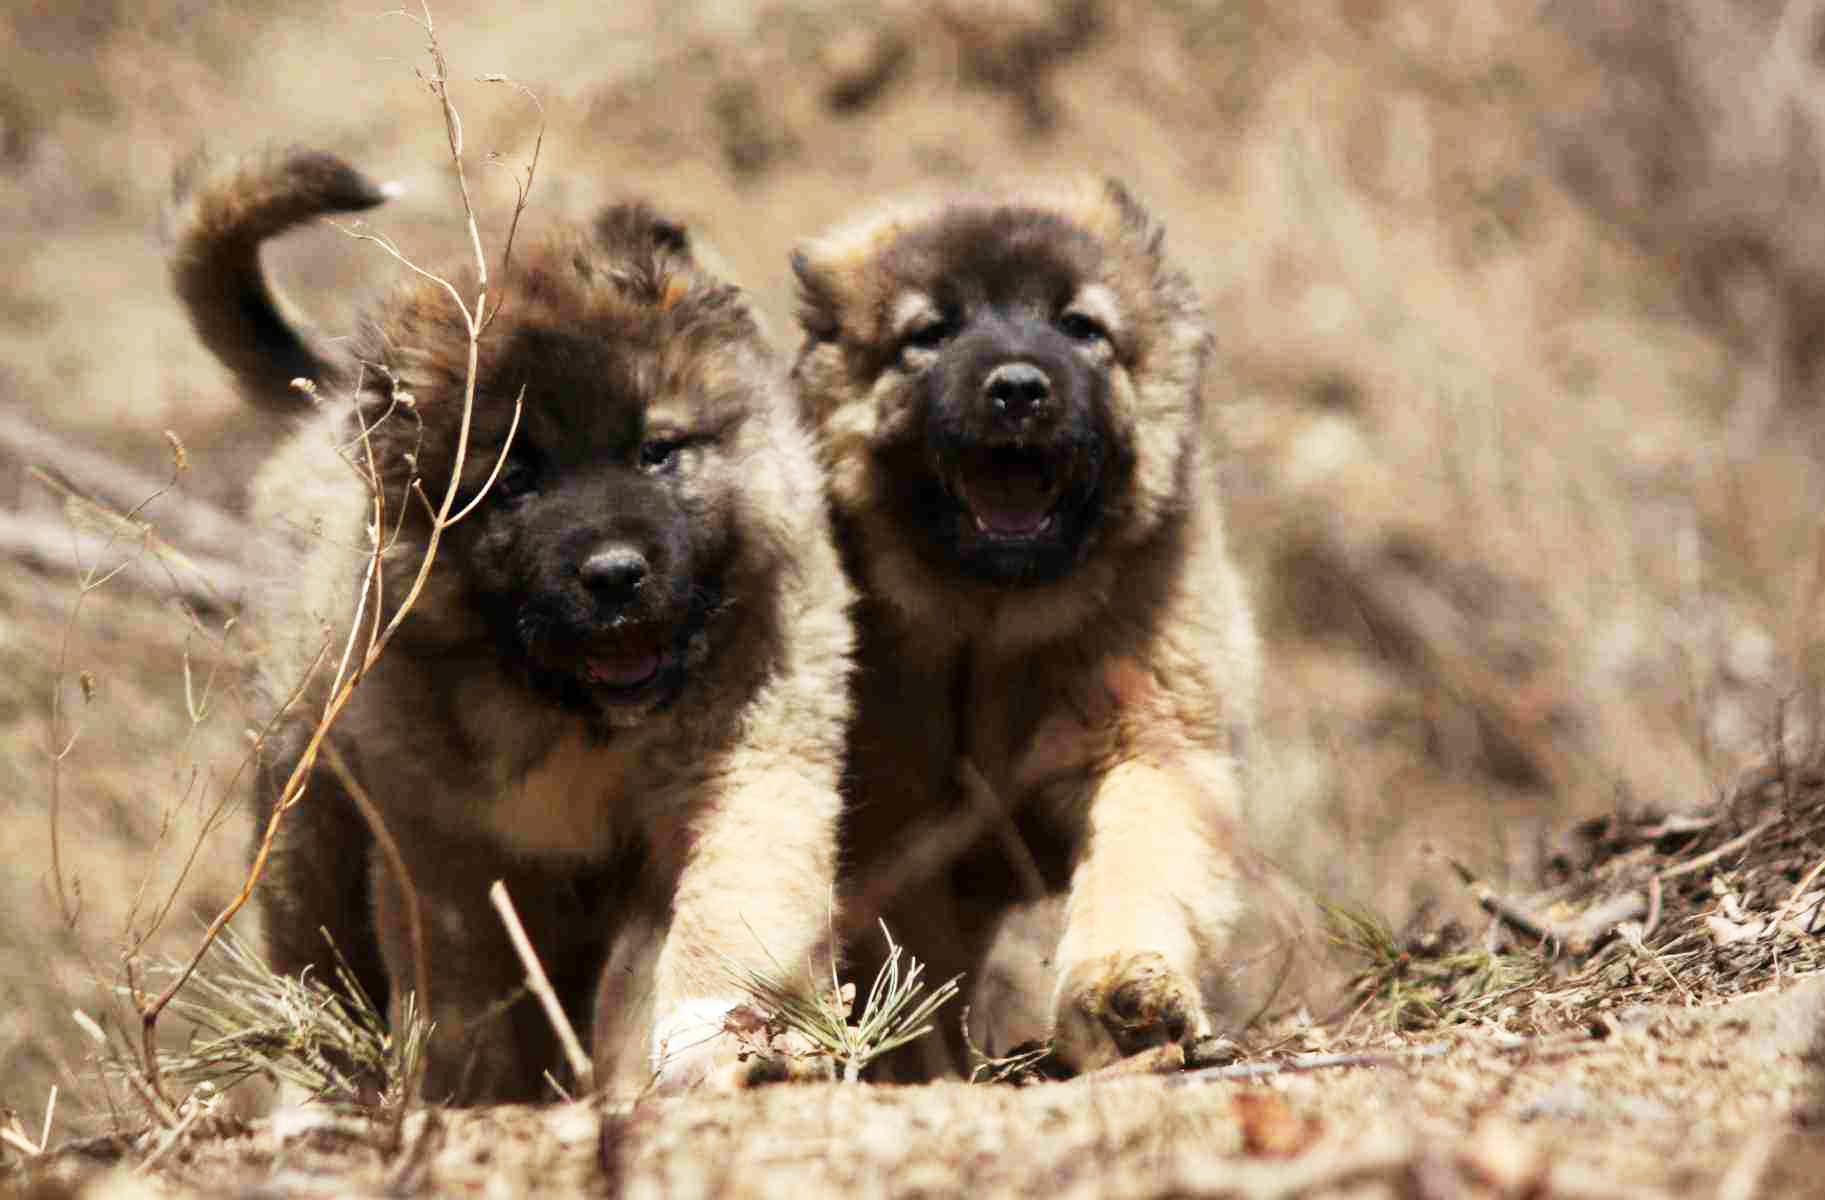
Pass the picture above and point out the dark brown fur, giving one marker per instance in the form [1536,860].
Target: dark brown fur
[623,688]
[1057,666]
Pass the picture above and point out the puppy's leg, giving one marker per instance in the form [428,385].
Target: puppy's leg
[1014,984]
[624,1005]
[315,891]
[753,894]
[317,882]
[490,1041]
[1154,884]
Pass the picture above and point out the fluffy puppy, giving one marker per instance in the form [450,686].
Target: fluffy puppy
[623,688]
[1056,665]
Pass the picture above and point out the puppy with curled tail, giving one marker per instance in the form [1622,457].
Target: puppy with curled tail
[624,687]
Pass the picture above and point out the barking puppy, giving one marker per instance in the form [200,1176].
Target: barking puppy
[1056,665]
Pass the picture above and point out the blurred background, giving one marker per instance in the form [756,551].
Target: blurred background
[1518,305]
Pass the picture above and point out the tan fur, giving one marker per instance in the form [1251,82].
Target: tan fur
[653,848]
[1081,734]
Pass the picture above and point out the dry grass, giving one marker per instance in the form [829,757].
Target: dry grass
[322,1037]
[900,1007]
[1422,981]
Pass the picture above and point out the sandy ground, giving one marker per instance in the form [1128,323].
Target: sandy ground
[1663,1102]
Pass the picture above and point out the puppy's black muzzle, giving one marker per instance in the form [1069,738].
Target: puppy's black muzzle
[612,630]
[1015,443]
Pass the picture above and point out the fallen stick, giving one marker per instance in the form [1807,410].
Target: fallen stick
[540,983]
[1793,898]
[199,1110]
[1729,847]
[1308,1062]
[1577,936]
[1504,909]
[1600,920]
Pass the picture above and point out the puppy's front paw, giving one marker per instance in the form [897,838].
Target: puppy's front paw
[726,1044]
[1120,1004]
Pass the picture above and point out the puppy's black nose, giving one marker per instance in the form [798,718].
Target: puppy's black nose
[614,572]
[1017,392]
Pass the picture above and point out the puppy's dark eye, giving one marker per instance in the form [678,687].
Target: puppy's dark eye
[927,336]
[519,476]
[1080,327]
[660,454]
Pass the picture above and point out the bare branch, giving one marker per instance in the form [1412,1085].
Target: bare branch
[519,406]
[540,984]
[389,846]
[370,609]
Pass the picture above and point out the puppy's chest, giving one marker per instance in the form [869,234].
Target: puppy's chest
[583,798]
[1039,735]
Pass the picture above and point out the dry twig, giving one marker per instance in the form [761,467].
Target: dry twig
[540,985]
[1577,936]
[14,1136]
[369,607]
[1308,1062]
[200,1106]
[1793,898]
[389,847]
[1729,847]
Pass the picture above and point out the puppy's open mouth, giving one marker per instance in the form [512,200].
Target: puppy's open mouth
[1012,493]
[616,667]
[627,662]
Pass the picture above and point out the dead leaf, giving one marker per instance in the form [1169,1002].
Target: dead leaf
[1270,1128]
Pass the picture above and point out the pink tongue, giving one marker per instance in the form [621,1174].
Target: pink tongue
[624,671]
[1009,522]
[1014,506]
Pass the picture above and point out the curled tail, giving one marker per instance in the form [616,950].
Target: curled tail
[225,209]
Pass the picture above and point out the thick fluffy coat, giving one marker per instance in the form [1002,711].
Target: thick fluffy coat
[623,689]
[1057,665]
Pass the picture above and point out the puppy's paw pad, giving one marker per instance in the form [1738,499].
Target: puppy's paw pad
[1122,1004]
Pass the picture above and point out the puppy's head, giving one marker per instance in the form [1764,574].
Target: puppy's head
[603,524]
[1005,382]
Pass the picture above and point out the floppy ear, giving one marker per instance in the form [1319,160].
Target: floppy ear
[819,300]
[635,228]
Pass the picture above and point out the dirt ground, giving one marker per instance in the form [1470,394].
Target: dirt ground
[1517,309]
[1650,1025]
